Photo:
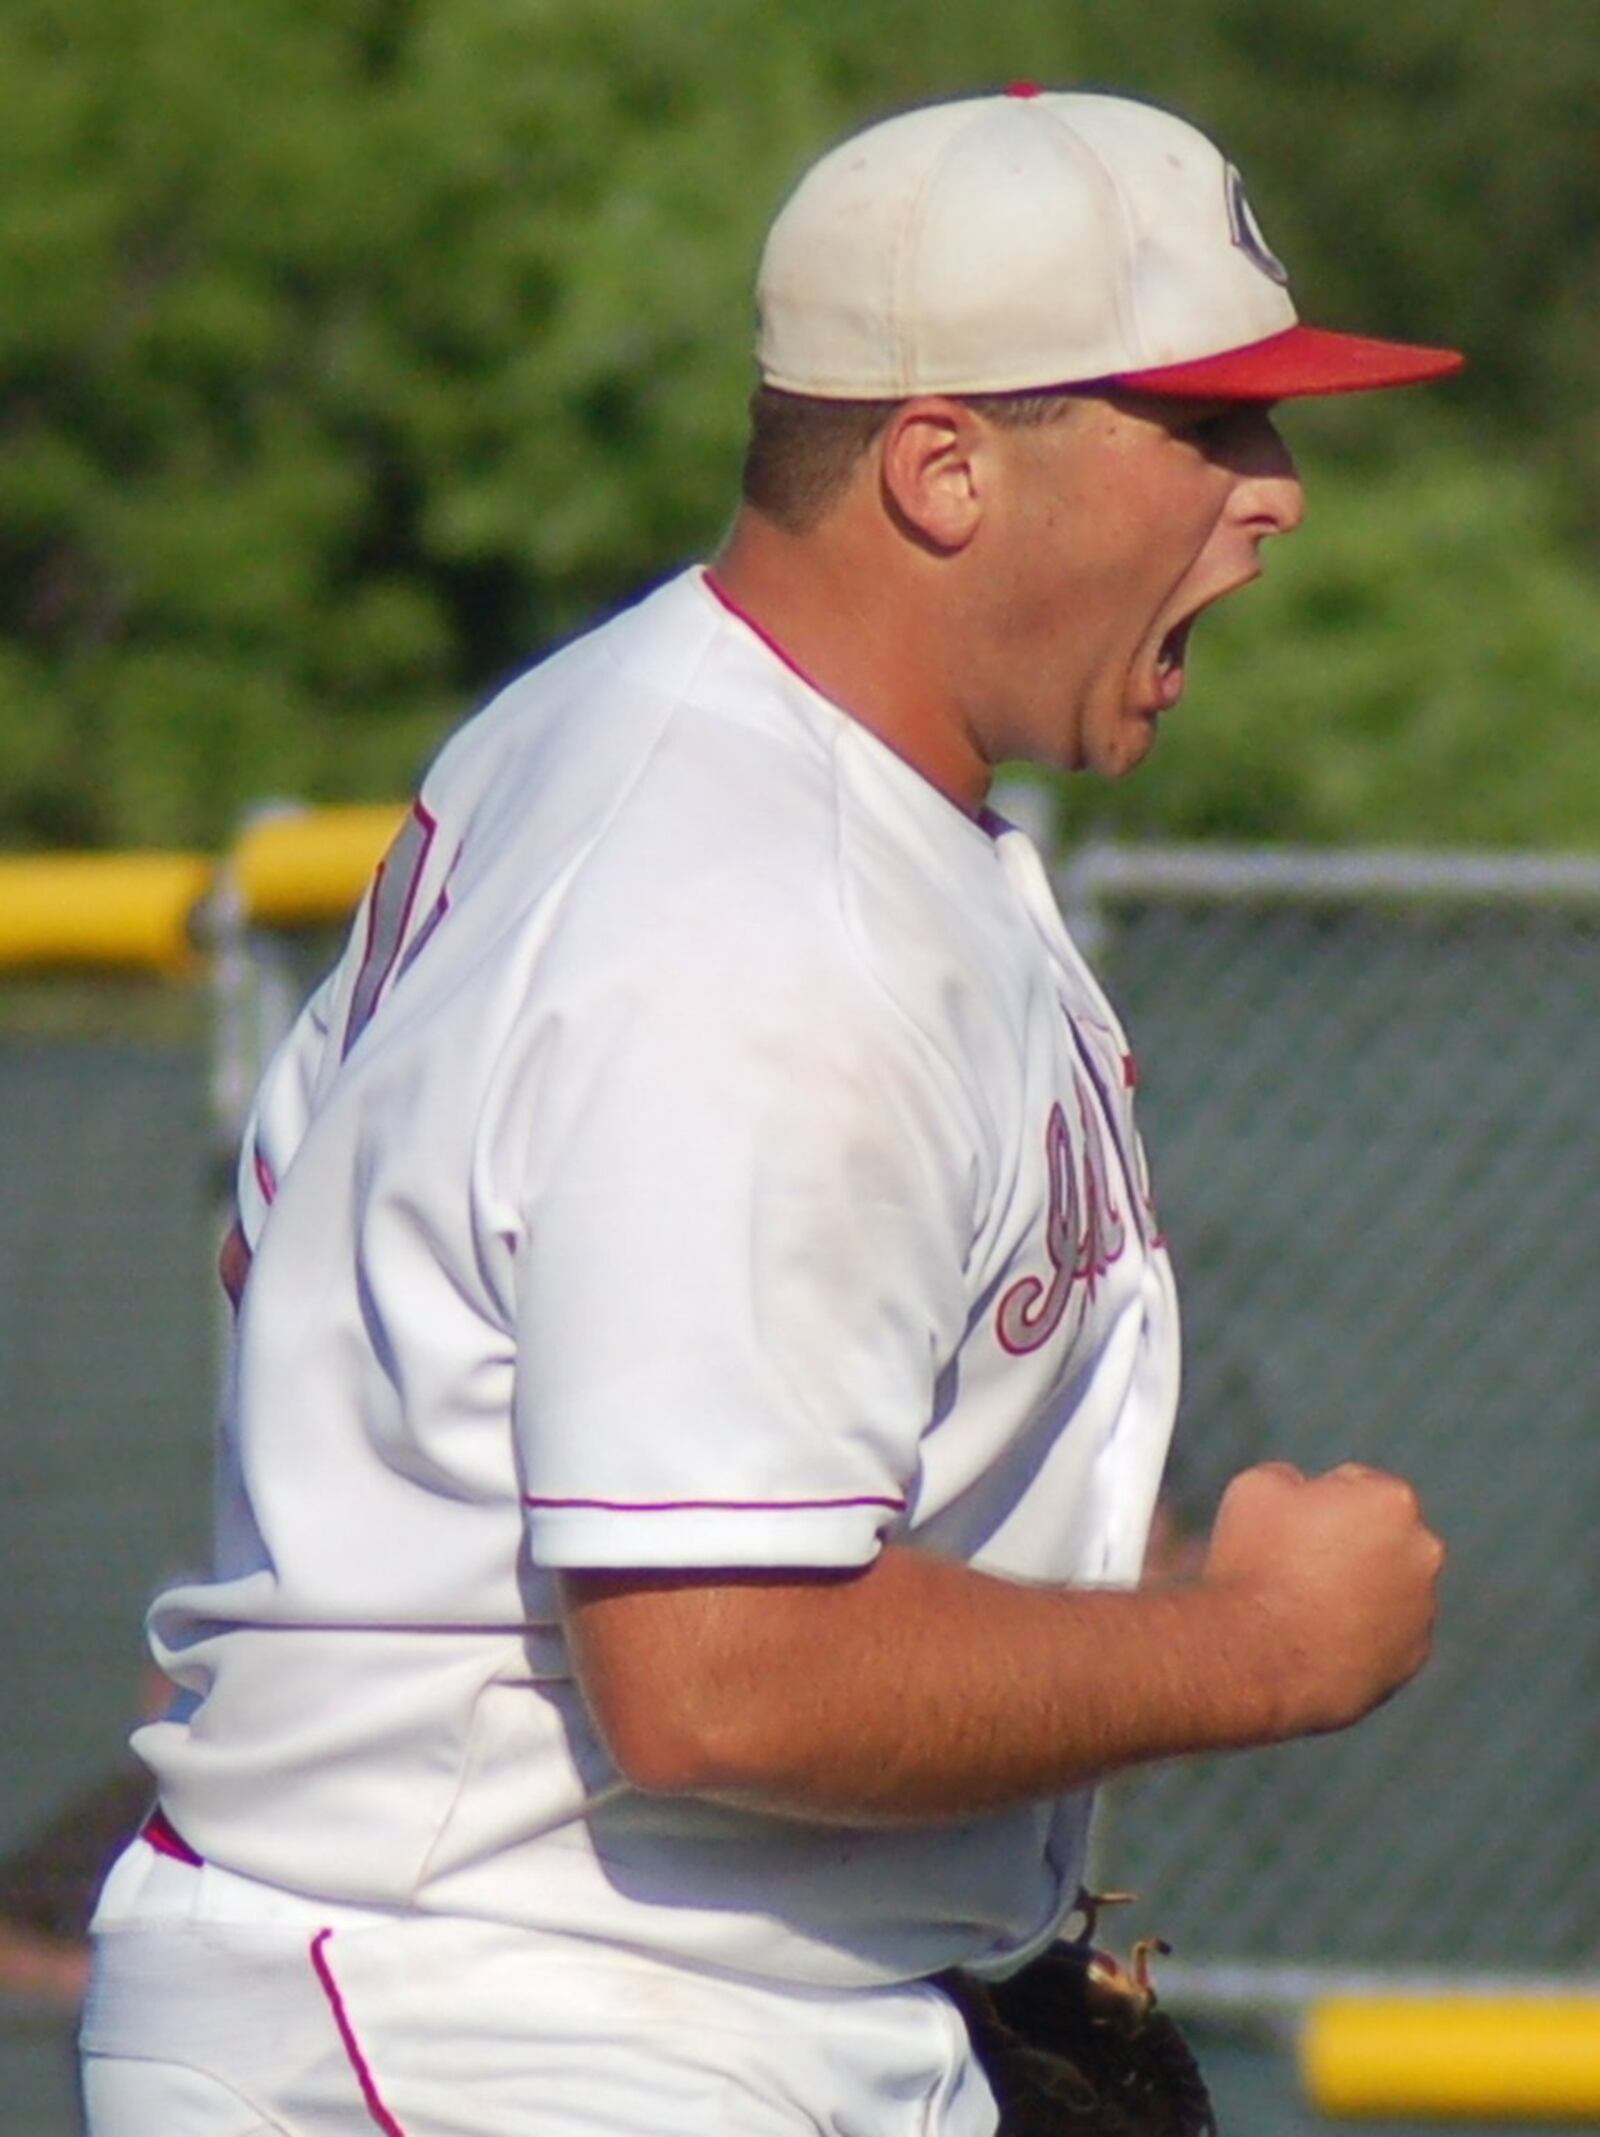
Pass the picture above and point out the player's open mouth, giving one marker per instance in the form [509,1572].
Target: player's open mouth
[1170,657]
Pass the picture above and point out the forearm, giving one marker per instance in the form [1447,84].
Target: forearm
[918,1689]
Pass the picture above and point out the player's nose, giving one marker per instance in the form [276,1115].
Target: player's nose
[1270,497]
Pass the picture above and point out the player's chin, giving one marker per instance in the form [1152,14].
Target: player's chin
[1127,746]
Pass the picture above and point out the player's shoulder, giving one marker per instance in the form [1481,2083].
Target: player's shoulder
[793,917]
[653,722]
[670,804]
[556,709]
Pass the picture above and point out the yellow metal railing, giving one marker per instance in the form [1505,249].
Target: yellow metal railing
[132,910]
[297,871]
[1476,2058]
[146,912]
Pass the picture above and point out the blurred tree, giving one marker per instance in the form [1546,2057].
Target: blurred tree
[352,353]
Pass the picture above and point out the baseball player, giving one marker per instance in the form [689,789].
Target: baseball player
[706,1348]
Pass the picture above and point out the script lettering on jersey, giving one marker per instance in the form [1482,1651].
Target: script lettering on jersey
[1085,1231]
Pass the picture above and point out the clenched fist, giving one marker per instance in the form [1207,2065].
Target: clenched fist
[1337,1577]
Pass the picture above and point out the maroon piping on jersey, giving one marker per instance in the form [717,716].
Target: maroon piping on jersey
[347,2033]
[382,953]
[709,1506]
[715,586]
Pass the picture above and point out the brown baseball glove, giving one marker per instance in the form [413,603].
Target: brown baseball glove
[1074,2046]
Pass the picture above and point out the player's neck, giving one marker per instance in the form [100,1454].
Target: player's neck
[832,609]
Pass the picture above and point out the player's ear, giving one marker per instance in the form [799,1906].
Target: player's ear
[932,472]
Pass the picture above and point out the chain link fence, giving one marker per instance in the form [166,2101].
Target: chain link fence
[1370,1093]
[107,1381]
[106,1376]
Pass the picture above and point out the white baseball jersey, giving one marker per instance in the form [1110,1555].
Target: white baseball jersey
[711,1152]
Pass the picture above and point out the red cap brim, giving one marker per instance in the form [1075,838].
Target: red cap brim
[1301,361]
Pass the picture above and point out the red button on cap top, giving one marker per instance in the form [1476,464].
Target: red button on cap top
[1024,89]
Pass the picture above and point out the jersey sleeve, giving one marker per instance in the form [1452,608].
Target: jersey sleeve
[405,901]
[748,1202]
[281,1109]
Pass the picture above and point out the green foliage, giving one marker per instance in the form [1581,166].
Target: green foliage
[1418,666]
[352,353]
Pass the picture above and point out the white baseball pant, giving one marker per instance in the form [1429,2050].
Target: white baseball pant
[219,2008]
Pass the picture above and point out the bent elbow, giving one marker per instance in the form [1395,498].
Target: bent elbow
[669,1747]
[688,1689]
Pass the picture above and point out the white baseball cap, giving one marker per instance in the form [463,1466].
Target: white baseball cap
[1034,239]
